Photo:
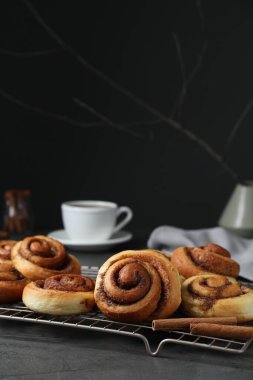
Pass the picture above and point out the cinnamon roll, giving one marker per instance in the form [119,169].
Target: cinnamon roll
[63,294]
[210,258]
[39,257]
[12,284]
[5,255]
[133,286]
[213,295]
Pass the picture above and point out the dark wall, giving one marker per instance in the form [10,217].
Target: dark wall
[167,93]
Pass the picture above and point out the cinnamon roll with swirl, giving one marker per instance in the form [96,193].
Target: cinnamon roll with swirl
[134,286]
[5,255]
[12,284]
[39,257]
[217,296]
[63,294]
[210,258]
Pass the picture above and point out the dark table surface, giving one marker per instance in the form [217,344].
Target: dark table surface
[34,351]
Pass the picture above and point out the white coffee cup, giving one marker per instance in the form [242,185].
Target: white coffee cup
[93,221]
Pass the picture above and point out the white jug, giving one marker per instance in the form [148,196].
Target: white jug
[237,215]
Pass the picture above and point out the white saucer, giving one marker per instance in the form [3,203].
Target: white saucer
[117,238]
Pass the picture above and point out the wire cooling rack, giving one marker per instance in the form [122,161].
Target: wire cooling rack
[153,341]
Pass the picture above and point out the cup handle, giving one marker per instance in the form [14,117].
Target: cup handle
[129,215]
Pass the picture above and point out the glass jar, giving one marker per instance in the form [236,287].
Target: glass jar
[18,212]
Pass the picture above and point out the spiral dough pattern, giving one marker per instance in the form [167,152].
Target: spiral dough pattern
[217,296]
[210,258]
[39,257]
[133,286]
[63,294]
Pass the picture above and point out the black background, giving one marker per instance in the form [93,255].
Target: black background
[150,49]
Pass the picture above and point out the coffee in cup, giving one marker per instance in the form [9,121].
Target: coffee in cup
[93,221]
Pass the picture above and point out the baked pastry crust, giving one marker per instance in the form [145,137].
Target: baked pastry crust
[39,257]
[210,258]
[64,294]
[217,296]
[133,286]
[168,256]
[5,255]
[11,286]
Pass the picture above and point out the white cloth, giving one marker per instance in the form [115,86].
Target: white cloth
[168,238]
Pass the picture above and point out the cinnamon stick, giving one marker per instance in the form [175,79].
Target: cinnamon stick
[183,323]
[222,331]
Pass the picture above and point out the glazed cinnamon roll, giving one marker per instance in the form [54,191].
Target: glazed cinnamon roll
[210,258]
[39,257]
[5,255]
[134,286]
[217,296]
[63,294]
[11,286]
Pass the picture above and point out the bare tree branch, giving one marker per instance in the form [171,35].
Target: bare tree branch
[86,64]
[186,80]
[141,123]
[30,54]
[177,109]
[237,125]
[46,113]
[124,91]
[121,126]
[199,62]
[187,133]
[103,118]
[180,100]
[180,56]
